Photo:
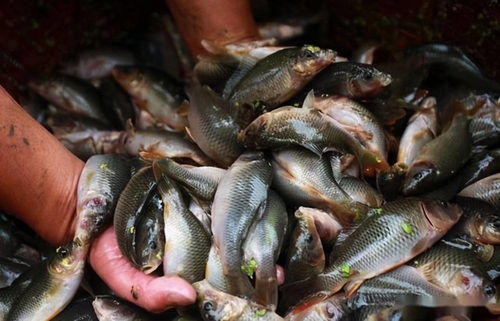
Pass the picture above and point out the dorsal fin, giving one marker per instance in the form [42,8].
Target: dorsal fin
[309,100]
[245,65]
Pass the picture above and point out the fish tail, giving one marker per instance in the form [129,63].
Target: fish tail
[266,286]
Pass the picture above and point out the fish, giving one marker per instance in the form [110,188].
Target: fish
[116,103]
[356,120]
[289,126]
[432,167]
[187,243]
[201,215]
[201,182]
[262,247]
[215,305]
[214,273]
[10,269]
[306,179]
[421,129]
[130,206]
[349,79]
[212,127]
[403,229]
[457,272]
[150,237]
[86,144]
[279,76]
[305,255]
[240,199]
[71,94]
[156,143]
[108,308]
[8,295]
[480,221]
[66,123]
[154,92]
[54,285]
[79,309]
[481,165]
[486,189]
[332,309]
[34,105]
[96,63]
[401,286]
[360,191]
[485,132]
[102,180]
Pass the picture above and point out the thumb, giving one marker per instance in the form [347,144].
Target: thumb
[153,293]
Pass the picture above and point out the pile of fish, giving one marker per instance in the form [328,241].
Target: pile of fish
[374,185]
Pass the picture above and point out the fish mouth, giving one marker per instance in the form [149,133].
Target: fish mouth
[440,215]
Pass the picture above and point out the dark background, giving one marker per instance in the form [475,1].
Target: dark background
[35,35]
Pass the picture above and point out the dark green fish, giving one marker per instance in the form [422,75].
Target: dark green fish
[54,285]
[154,92]
[239,199]
[402,230]
[130,206]
[350,79]
[289,126]
[211,126]
[485,132]
[10,269]
[432,167]
[9,294]
[486,189]
[150,237]
[186,241]
[70,94]
[262,248]
[279,76]
[116,103]
[65,123]
[102,180]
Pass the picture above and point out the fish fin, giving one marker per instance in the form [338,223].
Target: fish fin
[315,149]
[183,108]
[309,100]
[150,152]
[129,127]
[352,286]
[428,271]
[189,134]
[244,67]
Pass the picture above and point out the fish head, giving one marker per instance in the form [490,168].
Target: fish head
[257,131]
[216,305]
[130,78]
[370,81]
[441,215]
[311,59]
[472,288]
[486,229]
[331,309]
[68,259]
[420,177]
[372,163]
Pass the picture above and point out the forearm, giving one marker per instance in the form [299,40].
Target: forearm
[221,21]
[38,175]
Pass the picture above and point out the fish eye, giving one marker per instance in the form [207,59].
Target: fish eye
[330,310]
[308,54]
[369,76]
[154,245]
[309,238]
[418,175]
[208,306]
[444,204]
[62,252]
[490,290]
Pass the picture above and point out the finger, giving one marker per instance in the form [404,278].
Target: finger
[153,293]
[280,274]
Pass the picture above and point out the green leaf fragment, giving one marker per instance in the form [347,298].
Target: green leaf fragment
[260,313]
[249,268]
[407,228]
[377,211]
[346,270]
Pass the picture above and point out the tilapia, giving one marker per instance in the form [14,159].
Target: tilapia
[289,126]
[102,180]
[262,247]
[186,242]
[486,189]
[154,92]
[402,230]
[70,94]
[215,305]
[212,127]
[240,199]
[9,294]
[432,167]
[67,123]
[54,285]
[112,309]
[116,103]
[130,206]
[279,76]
